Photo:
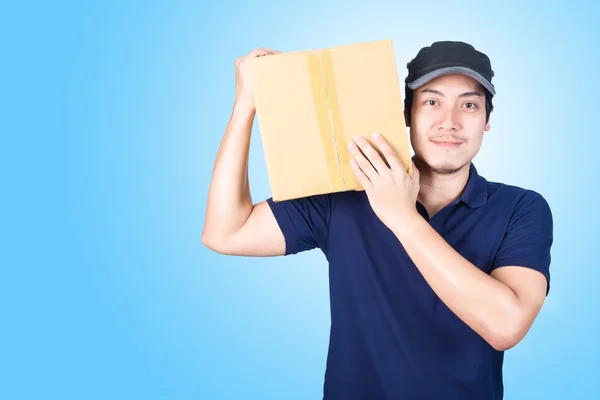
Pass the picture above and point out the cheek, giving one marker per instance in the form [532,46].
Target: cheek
[473,124]
[475,139]
[423,118]
[417,135]
[477,120]
[421,124]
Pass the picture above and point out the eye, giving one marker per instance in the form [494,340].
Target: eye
[431,102]
[470,105]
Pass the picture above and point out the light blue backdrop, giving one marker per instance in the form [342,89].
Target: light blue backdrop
[112,113]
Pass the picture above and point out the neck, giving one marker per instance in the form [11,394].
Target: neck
[438,190]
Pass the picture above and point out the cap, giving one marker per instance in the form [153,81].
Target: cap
[449,57]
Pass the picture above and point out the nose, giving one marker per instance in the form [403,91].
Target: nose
[448,121]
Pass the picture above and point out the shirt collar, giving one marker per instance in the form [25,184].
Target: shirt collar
[475,193]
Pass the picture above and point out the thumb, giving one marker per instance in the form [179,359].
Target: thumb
[416,174]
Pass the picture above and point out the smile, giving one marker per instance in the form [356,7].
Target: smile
[447,144]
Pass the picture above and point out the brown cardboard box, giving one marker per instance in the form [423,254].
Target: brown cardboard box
[310,104]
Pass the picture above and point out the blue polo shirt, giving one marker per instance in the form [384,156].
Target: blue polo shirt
[391,336]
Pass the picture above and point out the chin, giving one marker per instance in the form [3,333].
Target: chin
[443,167]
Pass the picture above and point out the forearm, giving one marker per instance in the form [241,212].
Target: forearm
[229,201]
[485,304]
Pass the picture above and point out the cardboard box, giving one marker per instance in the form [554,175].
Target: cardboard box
[310,104]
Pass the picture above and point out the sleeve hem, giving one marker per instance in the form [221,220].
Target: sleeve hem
[525,263]
[282,221]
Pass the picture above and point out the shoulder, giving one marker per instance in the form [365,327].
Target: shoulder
[519,201]
[515,196]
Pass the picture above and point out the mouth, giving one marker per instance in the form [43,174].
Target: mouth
[447,143]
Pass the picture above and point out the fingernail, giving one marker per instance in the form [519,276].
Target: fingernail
[375,134]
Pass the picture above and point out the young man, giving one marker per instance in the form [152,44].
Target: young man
[431,278]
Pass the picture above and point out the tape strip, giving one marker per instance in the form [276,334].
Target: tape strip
[324,116]
[325,98]
[338,129]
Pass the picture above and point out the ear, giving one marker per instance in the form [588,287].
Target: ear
[487,127]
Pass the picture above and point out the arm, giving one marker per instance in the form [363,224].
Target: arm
[233,224]
[501,308]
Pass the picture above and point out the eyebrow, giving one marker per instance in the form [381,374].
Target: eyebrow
[466,94]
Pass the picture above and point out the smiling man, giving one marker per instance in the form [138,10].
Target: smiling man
[432,278]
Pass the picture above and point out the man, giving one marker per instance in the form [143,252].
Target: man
[431,278]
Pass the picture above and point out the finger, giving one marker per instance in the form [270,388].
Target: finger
[372,154]
[362,178]
[362,161]
[263,51]
[270,51]
[256,53]
[387,151]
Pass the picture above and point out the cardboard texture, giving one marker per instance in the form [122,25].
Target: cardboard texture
[310,104]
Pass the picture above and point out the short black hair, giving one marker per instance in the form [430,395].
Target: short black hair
[408,102]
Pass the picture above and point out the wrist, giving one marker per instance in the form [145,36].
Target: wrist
[407,224]
[244,106]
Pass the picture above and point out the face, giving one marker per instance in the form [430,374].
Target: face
[448,122]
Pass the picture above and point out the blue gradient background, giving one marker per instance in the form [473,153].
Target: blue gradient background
[112,114]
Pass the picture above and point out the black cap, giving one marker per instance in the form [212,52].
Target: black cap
[448,57]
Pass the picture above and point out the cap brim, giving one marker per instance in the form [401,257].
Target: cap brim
[452,70]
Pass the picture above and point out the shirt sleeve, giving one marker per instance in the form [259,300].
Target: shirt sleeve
[529,237]
[303,221]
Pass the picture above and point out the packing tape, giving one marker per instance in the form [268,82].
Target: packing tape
[325,96]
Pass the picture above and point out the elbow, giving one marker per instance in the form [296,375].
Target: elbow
[211,243]
[214,244]
[207,242]
[503,343]
[506,338]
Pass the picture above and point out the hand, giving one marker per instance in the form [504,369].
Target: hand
[243,89]
[392,193]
